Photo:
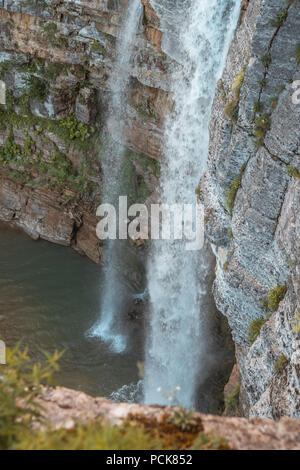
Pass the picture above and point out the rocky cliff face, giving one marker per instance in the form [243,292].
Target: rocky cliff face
[251,194]
[55,59]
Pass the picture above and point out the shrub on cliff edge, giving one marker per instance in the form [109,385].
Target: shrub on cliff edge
[254,329]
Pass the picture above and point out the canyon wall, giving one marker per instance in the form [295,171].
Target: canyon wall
[55,59]
[251,195]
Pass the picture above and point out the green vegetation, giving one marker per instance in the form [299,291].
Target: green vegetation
[296,328]
[257,107]
[254,329]
[36,88]
[39,4]
[262,125]
[198,192]
[232,108]
[21,380]
[98,48]
[262,83]
[232,191]
[57,172]
[77,130]
[280,363]
[275,296]
[184,419]
[292,171]
[267,59]
[50,30]
[226,265]
[232,402]
[280,19]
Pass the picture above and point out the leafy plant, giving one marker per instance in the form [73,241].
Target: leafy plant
[20,384]
[183,419]
[292,171]
[280,363]
[232,108]
[77,129]
[98,48]
[267,59]
[257,107]
[232,402]
[254,329]
[36,88]
[275,296]
[280,19]
[296,328]
[50,30]
[232,191]
[262,83]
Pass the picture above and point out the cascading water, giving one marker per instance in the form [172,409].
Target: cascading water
[200,34]
[108,328]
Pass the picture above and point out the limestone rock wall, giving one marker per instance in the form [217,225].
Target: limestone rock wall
[251,196]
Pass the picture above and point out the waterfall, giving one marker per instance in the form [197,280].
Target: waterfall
[199,39]
[109,327]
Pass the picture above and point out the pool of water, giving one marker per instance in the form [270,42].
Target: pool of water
[50,298]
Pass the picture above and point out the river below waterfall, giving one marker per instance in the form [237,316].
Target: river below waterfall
[49,298]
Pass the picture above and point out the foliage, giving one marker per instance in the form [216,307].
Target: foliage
[209,441]
[267,59]
[232,402]
[275,296]
[280,19]
[292,171]
[36,88]
[98,48]
[198,192]
[262,125]
[232,191]
[257,107]
[296,328]
[92,436]
[40,4]
[183,419]
[226,265]
[254,329]
[280,363]
[262,83]
[50,30]
[232,108]
[20,383]
[77,129]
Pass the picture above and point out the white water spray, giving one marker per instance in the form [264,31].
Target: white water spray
[109,328]
[200,39]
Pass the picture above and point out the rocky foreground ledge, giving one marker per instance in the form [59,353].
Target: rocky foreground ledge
[63,408]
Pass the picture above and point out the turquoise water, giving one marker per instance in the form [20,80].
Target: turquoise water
[50,297]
